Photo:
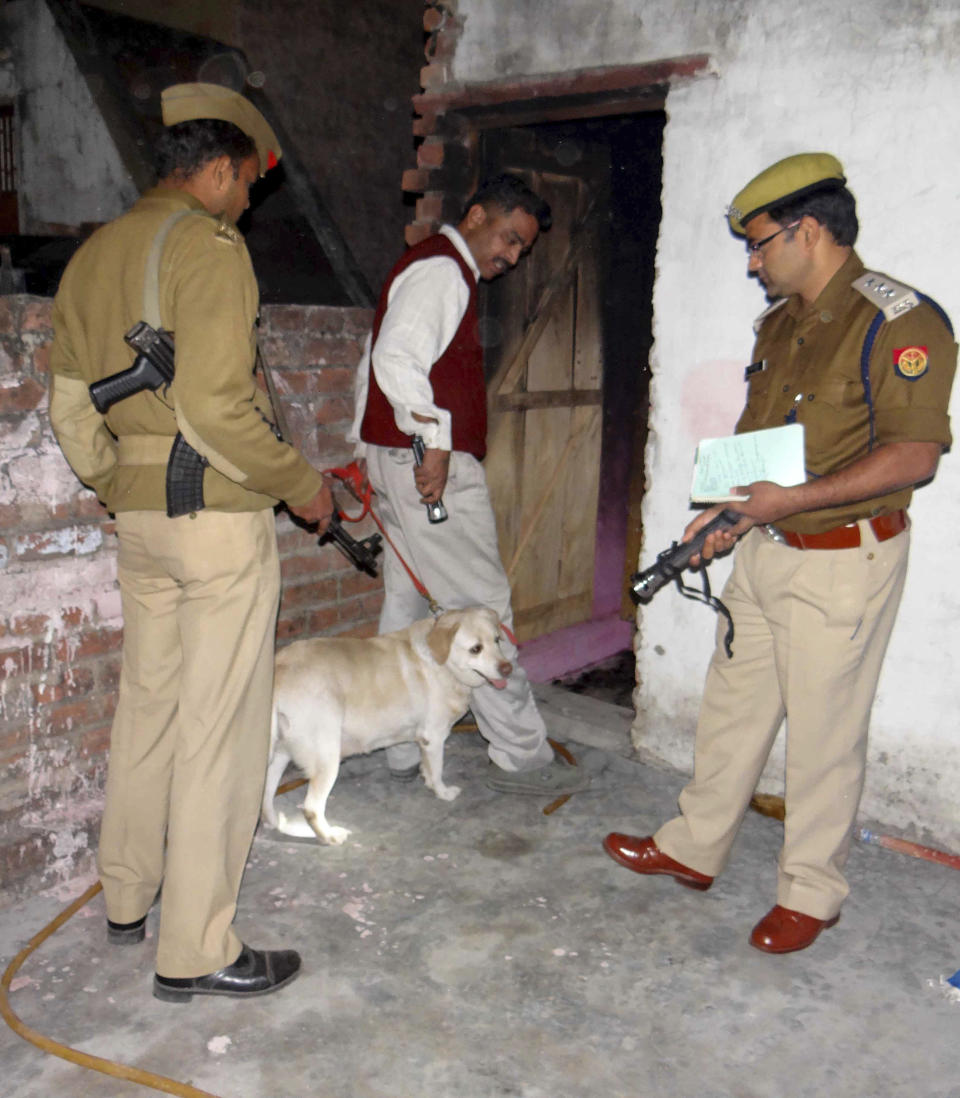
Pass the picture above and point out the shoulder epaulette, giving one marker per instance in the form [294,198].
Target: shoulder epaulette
[758,323]
[893,299]
[228,233]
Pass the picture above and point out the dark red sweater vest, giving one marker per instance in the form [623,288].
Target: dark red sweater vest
[456,377]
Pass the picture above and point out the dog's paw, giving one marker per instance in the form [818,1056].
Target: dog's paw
[448,792]
[335,836]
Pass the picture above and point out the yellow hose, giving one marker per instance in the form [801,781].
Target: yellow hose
[73,1055]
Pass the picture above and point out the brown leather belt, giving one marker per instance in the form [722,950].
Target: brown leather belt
[848,537]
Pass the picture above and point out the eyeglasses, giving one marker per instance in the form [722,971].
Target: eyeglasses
[754,248]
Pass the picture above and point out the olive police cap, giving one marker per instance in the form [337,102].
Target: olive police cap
[789,178]
[187,102]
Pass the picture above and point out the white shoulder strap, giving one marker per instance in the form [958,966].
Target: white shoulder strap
[891,298]
[151,278]
[758,323]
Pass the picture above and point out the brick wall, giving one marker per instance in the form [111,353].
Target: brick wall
[60,623]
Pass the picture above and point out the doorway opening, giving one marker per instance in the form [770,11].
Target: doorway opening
[568,338]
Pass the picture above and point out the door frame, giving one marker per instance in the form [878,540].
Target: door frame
[450,124]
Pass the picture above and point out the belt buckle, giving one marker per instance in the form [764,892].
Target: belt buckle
[774,534]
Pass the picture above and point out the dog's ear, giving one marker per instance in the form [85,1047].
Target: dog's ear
[440,639]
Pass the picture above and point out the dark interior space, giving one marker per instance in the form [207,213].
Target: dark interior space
[328,222]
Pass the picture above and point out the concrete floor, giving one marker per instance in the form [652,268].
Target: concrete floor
[482,949]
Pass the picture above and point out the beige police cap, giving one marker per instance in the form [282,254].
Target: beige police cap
[789,178]
[186,102]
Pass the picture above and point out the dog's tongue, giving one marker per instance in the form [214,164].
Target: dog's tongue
[498,684]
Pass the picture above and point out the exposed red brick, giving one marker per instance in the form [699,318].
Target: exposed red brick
[372,604]
[98,642]
[37,316]
[357,322]
[300,594]
[434,76]
[22,860]
[14,744]
[41,361]
[441,49]
[93,743]
[334,411]
[337,350]
[13,661]
[21,398]
[430,207]
[76,683]
[10,310]
[292,567]
[282,318]
[324,318]
[357,583]
[11,515]
[430,154]
[425,125]
[418,231]
[74,715]
[291,628]
[432,19]
[415,180]
[28,625]
[321,621]
[108,681]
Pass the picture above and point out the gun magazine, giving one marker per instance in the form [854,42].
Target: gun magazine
[184,479]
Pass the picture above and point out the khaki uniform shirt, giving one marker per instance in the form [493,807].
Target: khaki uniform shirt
[812,375]
[209,301]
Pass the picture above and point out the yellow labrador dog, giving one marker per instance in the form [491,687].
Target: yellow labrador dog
[340,696]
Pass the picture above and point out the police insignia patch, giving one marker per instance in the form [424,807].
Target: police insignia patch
[910,362]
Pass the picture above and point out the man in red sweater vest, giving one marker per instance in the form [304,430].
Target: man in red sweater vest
[423,375]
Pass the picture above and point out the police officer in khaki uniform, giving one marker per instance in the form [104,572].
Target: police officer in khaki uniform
[866,365]
[200,589]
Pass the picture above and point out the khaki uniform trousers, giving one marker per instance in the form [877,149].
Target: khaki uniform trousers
[190,737]
[812,628]
[459,563]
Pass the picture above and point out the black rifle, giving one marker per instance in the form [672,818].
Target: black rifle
[363,553]
[671,562]
[436,512]
[152,367]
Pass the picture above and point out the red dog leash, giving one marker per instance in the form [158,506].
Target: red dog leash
[361,489]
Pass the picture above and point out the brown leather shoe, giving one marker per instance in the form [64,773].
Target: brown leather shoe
[784,931]
[644,856]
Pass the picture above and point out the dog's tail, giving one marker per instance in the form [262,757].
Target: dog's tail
[277,763]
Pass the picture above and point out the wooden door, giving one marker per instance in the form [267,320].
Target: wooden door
[542,334]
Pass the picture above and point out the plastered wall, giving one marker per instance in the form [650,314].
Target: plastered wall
[877,84]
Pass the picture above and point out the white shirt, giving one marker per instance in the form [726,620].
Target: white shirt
[425,305]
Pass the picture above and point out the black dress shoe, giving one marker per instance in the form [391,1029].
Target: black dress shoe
[254,972]
[122,934]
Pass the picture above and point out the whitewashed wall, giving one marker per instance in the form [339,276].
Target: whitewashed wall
[70,170]
[876,83]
